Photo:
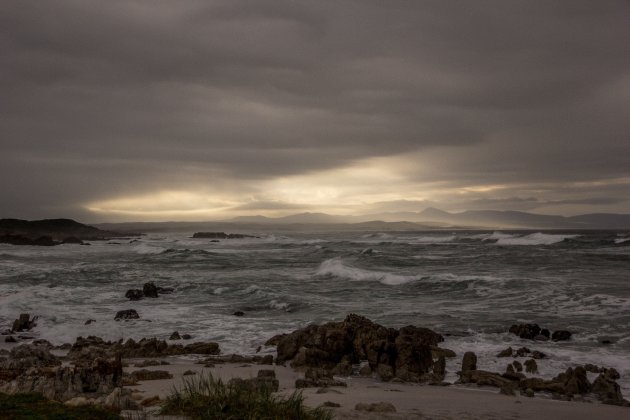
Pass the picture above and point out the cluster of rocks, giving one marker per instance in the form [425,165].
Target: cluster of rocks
[571,384]
[91,347]
[405,354]
[149,290]
[535,332]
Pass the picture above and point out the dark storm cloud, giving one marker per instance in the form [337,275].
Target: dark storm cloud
[105,98]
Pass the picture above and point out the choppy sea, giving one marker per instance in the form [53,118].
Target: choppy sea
[468,285]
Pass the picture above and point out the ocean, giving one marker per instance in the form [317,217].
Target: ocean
[468,285]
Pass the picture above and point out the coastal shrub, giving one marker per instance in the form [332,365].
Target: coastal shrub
[204,398]
[31,406]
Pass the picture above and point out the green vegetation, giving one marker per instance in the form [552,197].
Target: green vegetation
[36,407]
[206,398]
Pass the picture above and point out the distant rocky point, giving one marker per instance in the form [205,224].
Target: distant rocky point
[49,232]
[221,235]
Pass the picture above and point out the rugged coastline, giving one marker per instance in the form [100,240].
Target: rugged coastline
[353,367]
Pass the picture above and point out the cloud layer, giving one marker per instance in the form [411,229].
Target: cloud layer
[270,106]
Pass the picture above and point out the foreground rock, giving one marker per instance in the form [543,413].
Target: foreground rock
[32,368]
[404,354]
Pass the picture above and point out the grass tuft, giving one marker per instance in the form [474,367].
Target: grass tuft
[203,397]
[31,406]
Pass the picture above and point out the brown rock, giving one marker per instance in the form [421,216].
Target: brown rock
[378,407]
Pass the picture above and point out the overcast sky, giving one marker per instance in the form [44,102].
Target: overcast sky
[196,110]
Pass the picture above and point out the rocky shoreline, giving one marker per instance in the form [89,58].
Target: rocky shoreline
[90,371]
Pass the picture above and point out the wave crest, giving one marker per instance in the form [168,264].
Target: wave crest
[337,268]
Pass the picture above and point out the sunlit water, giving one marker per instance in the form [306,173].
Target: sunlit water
[470,286]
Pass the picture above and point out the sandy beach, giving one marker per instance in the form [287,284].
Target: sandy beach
[412,401]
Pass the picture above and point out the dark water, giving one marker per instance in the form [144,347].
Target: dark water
[469,285]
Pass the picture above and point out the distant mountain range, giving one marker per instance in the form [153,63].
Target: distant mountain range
[430,218]
[436,218]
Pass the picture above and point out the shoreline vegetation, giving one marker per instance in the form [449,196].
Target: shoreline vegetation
[354,368]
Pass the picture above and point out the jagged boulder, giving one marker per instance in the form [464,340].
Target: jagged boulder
[405,353]
[126,314]
[150,290]
[134,294]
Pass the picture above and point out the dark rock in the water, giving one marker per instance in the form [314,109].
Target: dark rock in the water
[175,336]
[545,333]
[10,339]
[561,335]
[531,366]
[378,407]
[538,354]
[606,341]
[186,337]
[126,314]
[330,404]
[404,354]
[367,251]
[89,321]
[150,290]
[541,337]
[134,294]
[150,375]
[469,362]
[522,352]
[505,353]
[239,313]
[24,323]
[189,373]
[527,331]
[517,366]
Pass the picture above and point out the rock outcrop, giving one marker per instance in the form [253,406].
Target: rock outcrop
[24,323]
[149,290]
[404,354]
[32,368]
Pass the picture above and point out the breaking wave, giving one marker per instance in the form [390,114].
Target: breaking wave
[337,268]
[538,238]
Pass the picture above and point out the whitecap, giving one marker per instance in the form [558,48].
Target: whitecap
[336,267]
[148,249]
[538,238]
